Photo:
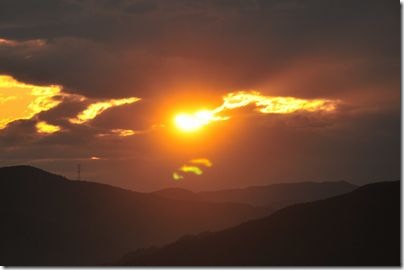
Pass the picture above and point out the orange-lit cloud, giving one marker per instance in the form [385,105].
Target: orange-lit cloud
[43,127]
[35,43]
[95,109]
[7,42]
[19,100]
[129,132]
[263,104]
[190,167]
[123,132]
[276,105]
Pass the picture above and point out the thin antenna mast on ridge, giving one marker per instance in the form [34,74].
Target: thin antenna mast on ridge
[78,172]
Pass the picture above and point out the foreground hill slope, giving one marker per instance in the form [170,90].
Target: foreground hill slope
[361,228]
[50,220]
[274,196]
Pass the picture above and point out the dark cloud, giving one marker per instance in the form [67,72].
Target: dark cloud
[18,134]
[93,47]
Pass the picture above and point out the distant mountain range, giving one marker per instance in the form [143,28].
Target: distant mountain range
[274,196]
[50,220]
[361,228]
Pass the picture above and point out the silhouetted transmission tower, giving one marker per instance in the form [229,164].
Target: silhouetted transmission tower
[79,172]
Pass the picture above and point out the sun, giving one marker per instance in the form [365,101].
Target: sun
[186,122]
[192,122]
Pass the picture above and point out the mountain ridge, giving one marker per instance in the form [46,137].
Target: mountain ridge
[274,196]
[50,220]
[360,228]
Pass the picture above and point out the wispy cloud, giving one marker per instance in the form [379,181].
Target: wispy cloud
[95,109]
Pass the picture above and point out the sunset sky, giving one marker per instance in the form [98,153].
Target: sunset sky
[202,94]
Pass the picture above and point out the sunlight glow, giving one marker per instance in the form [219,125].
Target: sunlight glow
[192,122]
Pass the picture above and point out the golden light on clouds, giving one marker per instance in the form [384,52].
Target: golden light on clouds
[95,109]
[23,101]
[192,167]
[189,122]
[277,105]
[43,127]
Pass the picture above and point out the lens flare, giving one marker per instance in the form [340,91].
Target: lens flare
[43,127]
[203,161]
[177,176]
[95,109]
[190,167]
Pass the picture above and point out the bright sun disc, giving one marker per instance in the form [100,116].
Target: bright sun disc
[191,122]
[186,122]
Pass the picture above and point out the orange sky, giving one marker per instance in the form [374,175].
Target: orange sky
[267,91]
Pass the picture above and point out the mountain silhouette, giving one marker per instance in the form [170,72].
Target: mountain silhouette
[50,220]
[273,196]
[360,228]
